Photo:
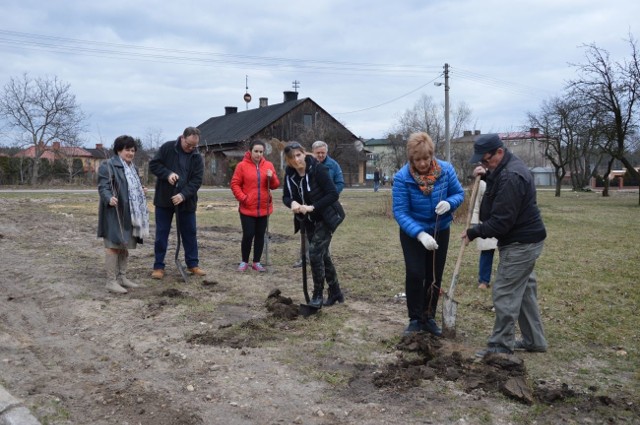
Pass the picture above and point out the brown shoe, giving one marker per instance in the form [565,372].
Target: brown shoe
[157,274]
[197,271]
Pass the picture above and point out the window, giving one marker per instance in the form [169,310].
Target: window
[307,120]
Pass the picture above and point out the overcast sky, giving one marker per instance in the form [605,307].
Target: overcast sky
[141,67]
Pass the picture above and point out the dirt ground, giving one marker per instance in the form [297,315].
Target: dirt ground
[230,349]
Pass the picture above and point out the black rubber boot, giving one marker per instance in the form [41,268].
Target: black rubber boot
[334,296]
[316,300]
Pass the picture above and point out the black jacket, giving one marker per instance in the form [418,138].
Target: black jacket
[509,210]
[318,190]
[167,161]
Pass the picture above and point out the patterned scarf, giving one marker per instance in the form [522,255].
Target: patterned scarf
[427,182]
[137,202]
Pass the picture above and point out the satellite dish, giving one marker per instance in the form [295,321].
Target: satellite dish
[358,145]
[268,148]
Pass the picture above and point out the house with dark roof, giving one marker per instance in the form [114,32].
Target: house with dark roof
[224,139]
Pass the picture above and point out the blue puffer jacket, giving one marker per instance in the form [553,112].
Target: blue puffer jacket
[414,211]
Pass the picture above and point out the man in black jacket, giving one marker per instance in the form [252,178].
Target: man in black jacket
[178,167]
[509,212]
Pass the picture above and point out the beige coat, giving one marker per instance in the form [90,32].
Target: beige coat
[482,244]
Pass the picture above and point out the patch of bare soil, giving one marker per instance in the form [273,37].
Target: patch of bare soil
[232,348]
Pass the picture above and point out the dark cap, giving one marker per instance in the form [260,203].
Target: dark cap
[483,144]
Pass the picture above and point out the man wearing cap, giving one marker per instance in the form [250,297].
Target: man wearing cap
[509,213]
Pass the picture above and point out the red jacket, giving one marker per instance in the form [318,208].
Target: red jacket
[249,186]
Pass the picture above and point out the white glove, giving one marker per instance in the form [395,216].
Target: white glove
[442,207]
[428,241]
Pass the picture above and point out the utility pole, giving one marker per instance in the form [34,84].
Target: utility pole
[447,140]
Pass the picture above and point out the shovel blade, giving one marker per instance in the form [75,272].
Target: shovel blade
[183,271]
[307,310]
[449,311]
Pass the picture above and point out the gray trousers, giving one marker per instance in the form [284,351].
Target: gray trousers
[515,297]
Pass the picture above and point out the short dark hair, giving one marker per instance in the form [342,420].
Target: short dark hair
[124,142]
[191,131]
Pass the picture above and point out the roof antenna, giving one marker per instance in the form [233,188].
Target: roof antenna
[247,96]
[295,84]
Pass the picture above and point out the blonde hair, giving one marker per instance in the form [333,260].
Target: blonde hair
[420,146]
[289,152]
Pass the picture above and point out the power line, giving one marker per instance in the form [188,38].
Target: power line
[516,88]
[156,54]
[389,101]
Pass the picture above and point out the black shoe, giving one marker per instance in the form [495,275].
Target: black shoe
[335,296]
[413,327]
[316,301]
[431,327]
[519,346]
[493,350]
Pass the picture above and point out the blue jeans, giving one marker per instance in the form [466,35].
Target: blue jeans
[187,226]
[485,265]
[515,297]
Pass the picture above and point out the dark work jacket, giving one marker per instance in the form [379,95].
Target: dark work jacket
[318,190]
[509,210]
[167,161]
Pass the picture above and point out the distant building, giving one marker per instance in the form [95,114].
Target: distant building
[224,139]
[525,144]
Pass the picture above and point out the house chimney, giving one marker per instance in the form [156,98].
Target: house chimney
[466,133]
[534,131]
[228,110]
[99,146]
[56,146]
[264,101]
[290,95]
[476,132]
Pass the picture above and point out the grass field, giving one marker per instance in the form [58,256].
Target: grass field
[588,293]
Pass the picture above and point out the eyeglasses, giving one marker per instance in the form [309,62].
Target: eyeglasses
[486,160]
[291,146]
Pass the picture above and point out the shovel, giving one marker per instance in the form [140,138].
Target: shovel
[450,306]
[181,267]
[307,309]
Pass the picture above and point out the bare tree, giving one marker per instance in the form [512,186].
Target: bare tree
[571,131]
[42,110]
[428,116]
[613,88]
[68,157]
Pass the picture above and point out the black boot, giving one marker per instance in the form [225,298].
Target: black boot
[316,300]
[334,296]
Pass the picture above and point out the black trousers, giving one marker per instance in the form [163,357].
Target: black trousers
[253,230]
[423,276]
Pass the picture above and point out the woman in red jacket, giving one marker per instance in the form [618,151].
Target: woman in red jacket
[251,183]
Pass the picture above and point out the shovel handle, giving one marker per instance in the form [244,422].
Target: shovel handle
[456,270]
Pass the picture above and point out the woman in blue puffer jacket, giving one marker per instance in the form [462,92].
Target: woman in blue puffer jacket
[426,192]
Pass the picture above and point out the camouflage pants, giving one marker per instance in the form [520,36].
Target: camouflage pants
[322,267]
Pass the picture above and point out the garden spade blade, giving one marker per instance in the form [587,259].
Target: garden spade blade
[450,306]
